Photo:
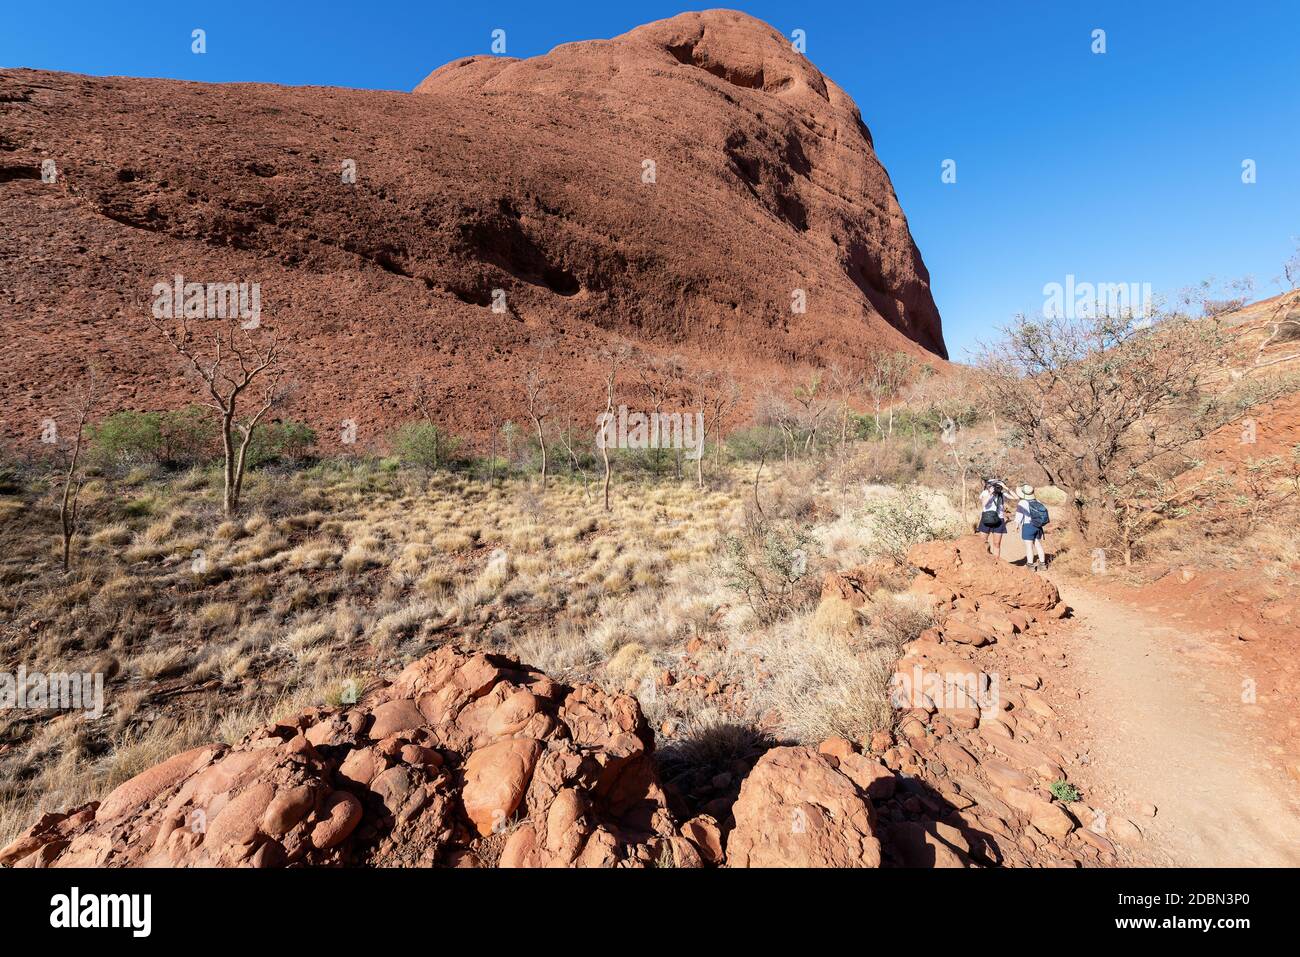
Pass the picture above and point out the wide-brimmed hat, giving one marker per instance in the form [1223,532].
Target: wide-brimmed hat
[1026,491]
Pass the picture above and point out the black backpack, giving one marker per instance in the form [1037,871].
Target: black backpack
[992,516]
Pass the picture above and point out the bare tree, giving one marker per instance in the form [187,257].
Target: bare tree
[609,413]
[1291,268]
[843,384]
[534,388]
[229,363]
[73,474]
[810,406]
[718,395]
[575,461]
[536,383]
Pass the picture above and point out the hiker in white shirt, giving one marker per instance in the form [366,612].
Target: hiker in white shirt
[993,515]
[1031,516]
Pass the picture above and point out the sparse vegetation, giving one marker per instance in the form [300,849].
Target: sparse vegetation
[1063,790]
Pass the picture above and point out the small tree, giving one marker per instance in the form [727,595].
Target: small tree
[229,364]
[902,520]
[1291,268]
[719,395]
[420,444]
[886,376]
[604,434]
[73,473]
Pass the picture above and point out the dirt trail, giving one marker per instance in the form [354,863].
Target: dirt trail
[1161,715]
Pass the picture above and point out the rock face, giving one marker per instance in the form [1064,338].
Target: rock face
[680,187]
[463,758]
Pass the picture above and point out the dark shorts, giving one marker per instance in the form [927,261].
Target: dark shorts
[996,530]
[1030,533]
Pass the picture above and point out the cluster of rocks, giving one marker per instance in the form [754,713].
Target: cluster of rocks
[977,746]
[476,760]
[463,760]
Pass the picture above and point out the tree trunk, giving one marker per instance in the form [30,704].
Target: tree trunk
[228,497]
[541,441]
[699,462]
[604,452]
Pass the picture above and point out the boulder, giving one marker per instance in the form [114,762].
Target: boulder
[796,809]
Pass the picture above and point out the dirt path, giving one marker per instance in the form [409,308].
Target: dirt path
[1162,718]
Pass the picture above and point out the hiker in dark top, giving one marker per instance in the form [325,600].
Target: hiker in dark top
[1031,517]
[993,515]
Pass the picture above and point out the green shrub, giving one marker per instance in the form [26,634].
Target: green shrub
[769,562]
[902,520]
[748,445]
[1063,790]
[188,435]
[280,442]
[423,444]
[125,439]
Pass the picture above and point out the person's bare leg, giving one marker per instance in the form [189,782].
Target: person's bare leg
[1029,553]
[998,545]
[1042,557]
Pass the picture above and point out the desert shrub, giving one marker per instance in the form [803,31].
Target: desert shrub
[899,619]
[11,475]
[1218,307]
[423,445]
[125,439]
[280,442]
[1063,790]
[1250,392]
[1105,406]
[897,522]
[753,443]
[768,561]
[187,435]
[820,685]
[710,744]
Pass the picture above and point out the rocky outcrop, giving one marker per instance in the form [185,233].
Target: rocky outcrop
[964,565]
[694,187]
[463,760]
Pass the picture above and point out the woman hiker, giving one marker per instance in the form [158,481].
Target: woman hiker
[993,515]
[1031,518]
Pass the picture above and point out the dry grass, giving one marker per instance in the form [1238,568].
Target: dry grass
[340,574]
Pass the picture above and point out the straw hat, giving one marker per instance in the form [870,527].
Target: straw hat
[1026,491]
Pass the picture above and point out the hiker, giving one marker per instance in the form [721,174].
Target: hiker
[1031,518]
[993,515]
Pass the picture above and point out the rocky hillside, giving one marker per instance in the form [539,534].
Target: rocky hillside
[677,188]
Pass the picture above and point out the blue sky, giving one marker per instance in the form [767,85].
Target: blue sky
[1117,167]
